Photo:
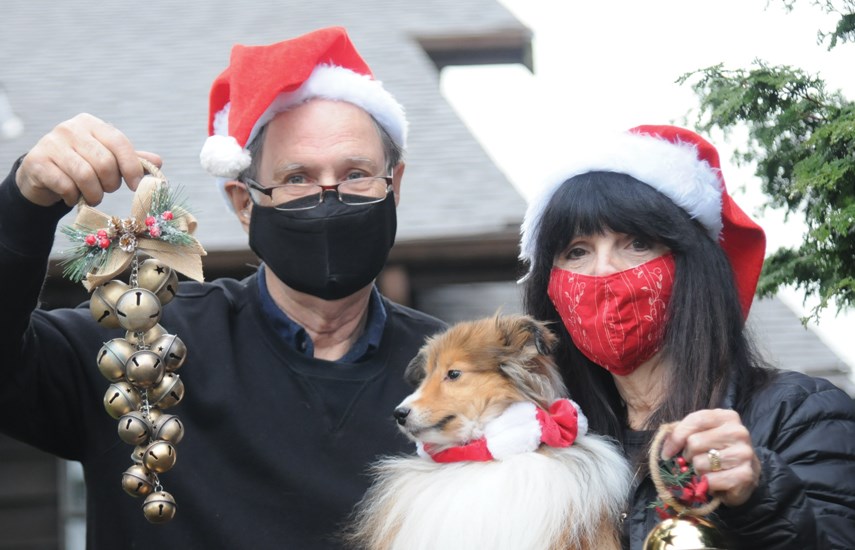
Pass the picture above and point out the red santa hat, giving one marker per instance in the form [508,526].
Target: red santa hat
[262,81]
[685,168]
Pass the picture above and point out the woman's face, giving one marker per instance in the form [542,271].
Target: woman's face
[606,253]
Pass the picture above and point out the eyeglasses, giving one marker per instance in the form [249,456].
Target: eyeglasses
[303,196]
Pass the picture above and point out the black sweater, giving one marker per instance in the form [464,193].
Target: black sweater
[276,444]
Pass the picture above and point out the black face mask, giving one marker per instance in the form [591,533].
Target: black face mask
[329,251]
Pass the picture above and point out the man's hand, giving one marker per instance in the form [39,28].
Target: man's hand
[82,157]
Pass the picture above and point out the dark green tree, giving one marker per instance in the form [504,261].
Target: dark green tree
[802,140]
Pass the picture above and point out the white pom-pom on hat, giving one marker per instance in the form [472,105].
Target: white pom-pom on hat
[223,157]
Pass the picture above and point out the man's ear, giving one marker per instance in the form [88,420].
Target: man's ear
[240,201]
[397,175]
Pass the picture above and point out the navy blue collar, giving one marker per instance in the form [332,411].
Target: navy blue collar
[297,337]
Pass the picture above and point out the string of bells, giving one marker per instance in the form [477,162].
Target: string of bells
[143,383]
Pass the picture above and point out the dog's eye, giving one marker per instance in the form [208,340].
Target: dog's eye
[453,374]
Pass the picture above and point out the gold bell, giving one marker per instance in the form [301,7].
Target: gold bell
[159,457]
[138,310]
[159,507]
[684,534]
[144,369]
[158,278]
[168,428]
[102,304]
[137,482]
[112,358]
[150,336]
[168,393]
[139,453]
[153,415]
[121,398]
[172,349]
[134,429]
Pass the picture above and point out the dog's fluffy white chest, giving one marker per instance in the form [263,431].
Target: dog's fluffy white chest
[531,501]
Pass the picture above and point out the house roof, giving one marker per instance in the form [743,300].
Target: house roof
[786,343]
[147,68]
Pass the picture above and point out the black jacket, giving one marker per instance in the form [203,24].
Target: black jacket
[803,430]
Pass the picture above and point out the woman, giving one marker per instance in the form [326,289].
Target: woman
[647,268]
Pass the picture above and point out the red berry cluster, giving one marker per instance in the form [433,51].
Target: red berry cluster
[153,224]
[100,239]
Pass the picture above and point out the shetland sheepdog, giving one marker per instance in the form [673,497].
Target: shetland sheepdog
[503,458]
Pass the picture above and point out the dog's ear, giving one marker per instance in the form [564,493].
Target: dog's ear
[532,331]
[528,362]
[415,371]
[544,339]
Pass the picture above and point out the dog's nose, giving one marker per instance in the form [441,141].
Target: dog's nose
[401,414]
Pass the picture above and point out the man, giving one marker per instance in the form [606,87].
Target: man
[291,374]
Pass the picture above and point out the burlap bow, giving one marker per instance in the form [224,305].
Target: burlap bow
[184,258]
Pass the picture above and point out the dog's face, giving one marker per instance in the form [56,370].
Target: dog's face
[469,374]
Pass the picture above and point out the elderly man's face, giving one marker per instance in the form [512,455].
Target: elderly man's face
[322,141]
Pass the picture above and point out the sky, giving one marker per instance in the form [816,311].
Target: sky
[608,66]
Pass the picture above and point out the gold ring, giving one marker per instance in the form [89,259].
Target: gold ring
[715,460]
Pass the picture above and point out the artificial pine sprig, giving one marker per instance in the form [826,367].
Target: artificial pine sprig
[167,209]
[89,252]
[165,228]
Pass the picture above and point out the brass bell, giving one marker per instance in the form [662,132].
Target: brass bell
[172,349]
[139,452]
[112,358]
[159,507]
[121,398]
[153,415]
[144,369]
[153,275]
[168,393]
[137,482]
[684,534]
[168,428]
[102,304]
[138,310]
[134,429]
[160,457]
[151,335]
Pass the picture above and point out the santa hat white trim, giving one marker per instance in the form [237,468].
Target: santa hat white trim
[222,156]
[673,169]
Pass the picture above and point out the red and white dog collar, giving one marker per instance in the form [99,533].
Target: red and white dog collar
[521,428]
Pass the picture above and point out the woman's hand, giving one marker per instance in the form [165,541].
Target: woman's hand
[704,434]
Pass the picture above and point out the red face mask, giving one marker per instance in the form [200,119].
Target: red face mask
[616,320]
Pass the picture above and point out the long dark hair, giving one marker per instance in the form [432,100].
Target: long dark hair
[705,342]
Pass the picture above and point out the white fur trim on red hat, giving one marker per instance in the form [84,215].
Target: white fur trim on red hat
[673,169]
[222,159]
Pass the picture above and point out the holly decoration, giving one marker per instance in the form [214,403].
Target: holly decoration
[683,505]
[684,485]
[92,246]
